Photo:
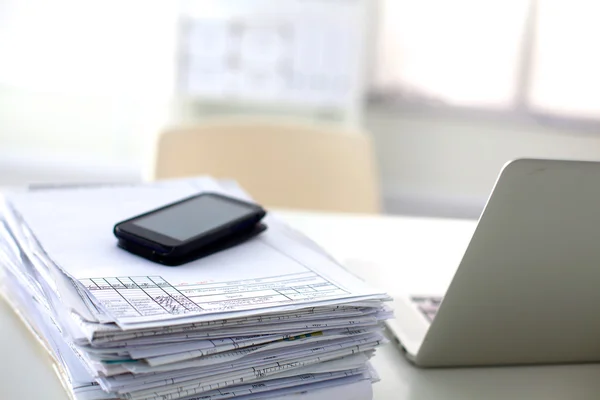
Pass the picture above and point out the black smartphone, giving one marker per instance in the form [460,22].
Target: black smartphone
[190,228]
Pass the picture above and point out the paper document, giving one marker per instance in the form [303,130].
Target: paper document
[270,270]
[274,317]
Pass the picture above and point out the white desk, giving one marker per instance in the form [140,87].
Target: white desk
[391,252]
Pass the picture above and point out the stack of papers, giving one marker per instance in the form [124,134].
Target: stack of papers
[274,317]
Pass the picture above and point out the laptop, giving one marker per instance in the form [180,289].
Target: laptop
[527,290]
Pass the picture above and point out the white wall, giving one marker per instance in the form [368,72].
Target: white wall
[84,86]
[443,166]
[52,136]
[447,166]
[94,116]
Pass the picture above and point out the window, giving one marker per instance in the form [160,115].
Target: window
[89,48]
[565,58]
[512,55]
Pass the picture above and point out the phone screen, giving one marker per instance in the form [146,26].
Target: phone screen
[194,217]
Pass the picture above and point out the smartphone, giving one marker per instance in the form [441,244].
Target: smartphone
[191,228]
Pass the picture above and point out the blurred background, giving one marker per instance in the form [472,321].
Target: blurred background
[446,91]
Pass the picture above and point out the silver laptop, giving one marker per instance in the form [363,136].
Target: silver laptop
[527,290]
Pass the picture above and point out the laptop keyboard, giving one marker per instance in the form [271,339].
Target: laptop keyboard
[428,305]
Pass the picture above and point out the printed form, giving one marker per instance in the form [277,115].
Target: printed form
[152,295]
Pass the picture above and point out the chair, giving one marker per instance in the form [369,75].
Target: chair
[281,164]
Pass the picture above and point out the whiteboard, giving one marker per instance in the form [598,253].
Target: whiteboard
[300,52]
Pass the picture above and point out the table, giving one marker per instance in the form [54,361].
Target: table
[395,253]
[420,255]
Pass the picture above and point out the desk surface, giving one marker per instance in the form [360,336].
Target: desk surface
[391,252]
